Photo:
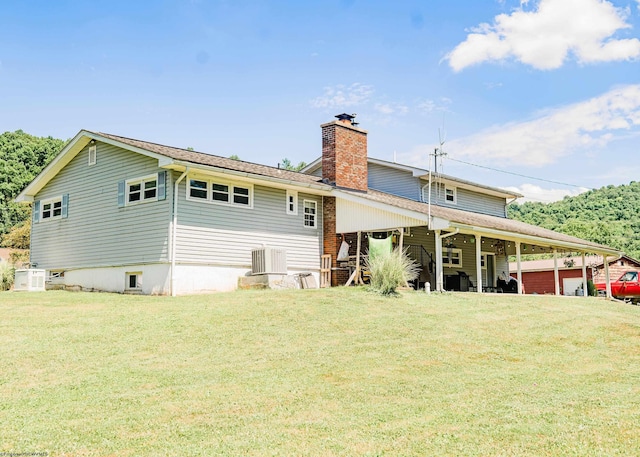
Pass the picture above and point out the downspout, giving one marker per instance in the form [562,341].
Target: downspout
[174,229]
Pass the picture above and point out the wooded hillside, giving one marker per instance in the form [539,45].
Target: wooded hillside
[22,156]
[609,215]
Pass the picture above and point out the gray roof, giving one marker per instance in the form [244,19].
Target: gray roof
[216,161]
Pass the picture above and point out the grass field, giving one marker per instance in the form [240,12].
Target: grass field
[338,372]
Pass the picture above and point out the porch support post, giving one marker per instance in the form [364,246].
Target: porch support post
[556,278]
[358,247]
[585,292]
[401,244]
[439,274]
[479,263]
[606,275]
[519,267]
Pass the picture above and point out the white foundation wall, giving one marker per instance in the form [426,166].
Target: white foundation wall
[154,278]
[198,279]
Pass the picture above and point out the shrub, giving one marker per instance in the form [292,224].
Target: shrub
[6,275]
[591,289]
[390,271]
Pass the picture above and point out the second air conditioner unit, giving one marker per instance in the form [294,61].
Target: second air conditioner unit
[266,260]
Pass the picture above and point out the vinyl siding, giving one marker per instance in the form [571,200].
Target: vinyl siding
[467,200]
[421,236]
[213,234]
[97,232]
[404,184]
[393,181]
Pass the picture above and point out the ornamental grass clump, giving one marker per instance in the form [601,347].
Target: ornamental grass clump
[6,275]
[390,271]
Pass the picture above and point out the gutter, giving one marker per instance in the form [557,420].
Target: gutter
[257,178]
[174,229]
[537,240]
[447,235]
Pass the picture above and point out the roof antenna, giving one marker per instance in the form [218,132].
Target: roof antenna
[437,153]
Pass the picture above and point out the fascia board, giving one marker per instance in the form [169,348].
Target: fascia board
[538,241]
[313,166]
[416,172]
[70,151]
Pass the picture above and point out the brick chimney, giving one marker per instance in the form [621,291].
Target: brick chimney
[344,153]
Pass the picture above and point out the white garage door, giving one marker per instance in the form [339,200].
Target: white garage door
[569,286]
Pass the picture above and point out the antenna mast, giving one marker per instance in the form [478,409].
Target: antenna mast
[437,152]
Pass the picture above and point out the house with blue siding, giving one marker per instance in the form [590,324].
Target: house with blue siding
[123,215]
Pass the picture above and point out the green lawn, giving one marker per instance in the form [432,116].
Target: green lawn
[318,373]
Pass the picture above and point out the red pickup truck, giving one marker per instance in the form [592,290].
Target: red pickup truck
[627,287]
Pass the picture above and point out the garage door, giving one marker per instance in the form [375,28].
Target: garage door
[569,286]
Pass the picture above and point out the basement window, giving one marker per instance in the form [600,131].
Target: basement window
[133,280]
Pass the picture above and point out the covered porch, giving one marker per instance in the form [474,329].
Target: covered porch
[456,250]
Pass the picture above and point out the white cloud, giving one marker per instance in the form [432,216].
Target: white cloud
[391,108]
[429,106]
[558,132]
[533,193]
[341,96]
[544,37]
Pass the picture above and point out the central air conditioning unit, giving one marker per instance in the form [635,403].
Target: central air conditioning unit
[266,260]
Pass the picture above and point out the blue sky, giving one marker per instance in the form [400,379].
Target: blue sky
[546,89]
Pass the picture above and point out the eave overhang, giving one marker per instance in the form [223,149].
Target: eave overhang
[67,154]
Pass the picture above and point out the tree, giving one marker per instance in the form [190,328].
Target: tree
[22,157]
[234,157]
[609,215]
[18,237]
[287,165]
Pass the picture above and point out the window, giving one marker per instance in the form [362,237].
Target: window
[310,208]
[53,208]
[142,190]
[292,202]
[240,195]
[452,257]
[133,281]
[198,189]
[92,154]
[55,277]
[450,194]
[221,192]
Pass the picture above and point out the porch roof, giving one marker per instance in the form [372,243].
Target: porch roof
[467,221]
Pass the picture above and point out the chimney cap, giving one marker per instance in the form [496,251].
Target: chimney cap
[346,117]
